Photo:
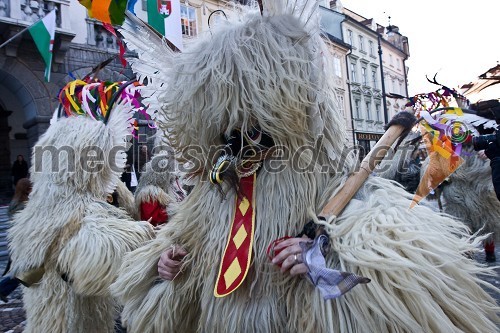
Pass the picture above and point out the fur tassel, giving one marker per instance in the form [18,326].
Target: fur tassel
[126,200]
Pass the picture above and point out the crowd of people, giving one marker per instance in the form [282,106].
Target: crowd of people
[23,188]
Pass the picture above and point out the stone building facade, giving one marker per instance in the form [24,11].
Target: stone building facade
[365,82]
[375,66]
[395,52]
[331,26]
[27,102]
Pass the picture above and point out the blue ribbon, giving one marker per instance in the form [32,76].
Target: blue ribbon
[131,5]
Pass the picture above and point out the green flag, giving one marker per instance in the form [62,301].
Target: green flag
[43,33]
[165,17]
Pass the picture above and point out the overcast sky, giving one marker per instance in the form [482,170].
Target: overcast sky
[457,39]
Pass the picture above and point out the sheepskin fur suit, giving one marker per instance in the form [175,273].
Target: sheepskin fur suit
[156,188]
[469,195]
[70,230]
[399,165]
[126,200]
[269,70]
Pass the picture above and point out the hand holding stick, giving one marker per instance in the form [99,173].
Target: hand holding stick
[399,126]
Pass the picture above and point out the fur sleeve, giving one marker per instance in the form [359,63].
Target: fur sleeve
[126,200]
[91,258]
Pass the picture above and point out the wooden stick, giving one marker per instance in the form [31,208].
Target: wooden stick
[337,204]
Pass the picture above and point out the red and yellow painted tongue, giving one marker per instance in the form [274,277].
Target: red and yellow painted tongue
[238,252]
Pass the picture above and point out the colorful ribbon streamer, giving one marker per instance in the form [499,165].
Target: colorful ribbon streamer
[444,142]
[92,98]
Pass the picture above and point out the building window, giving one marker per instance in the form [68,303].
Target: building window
[364,148]
[363,76]
[401,92]
[397,63]
[358,109]
[353,73]
[349,35]
[188,21]
[341,105]
[374,79]
[377,110]
[390,60]
[393,86]
[370,43]
[361,43]
[337,67]
[368,111]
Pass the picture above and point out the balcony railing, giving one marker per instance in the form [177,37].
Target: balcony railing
[33,10]
[29,11]
[4,8]
[98,36]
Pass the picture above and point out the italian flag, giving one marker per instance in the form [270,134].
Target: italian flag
[165,17]
[43,33]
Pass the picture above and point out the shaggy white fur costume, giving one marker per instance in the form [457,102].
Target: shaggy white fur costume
[469,195]
[126,200]
[269,70]
[70,230]
[155,184]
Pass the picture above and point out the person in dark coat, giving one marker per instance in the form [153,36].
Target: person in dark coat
[139,162]
[493,153]
[19,169]
[127,173]
[23,188]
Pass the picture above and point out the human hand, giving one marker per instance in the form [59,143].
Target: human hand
[289,256]
[482,155]
[170,263]
[492,151]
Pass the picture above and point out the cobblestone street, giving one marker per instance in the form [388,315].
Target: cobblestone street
[12,316]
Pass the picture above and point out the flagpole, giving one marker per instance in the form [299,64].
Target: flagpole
[132,17]
[15,36]
[20,32]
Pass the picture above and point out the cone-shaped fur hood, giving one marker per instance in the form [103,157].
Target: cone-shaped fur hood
[265,72]
[82,155]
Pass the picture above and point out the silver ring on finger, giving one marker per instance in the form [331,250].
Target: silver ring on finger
[296,260]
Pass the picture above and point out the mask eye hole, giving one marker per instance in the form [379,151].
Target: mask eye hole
[254,135]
